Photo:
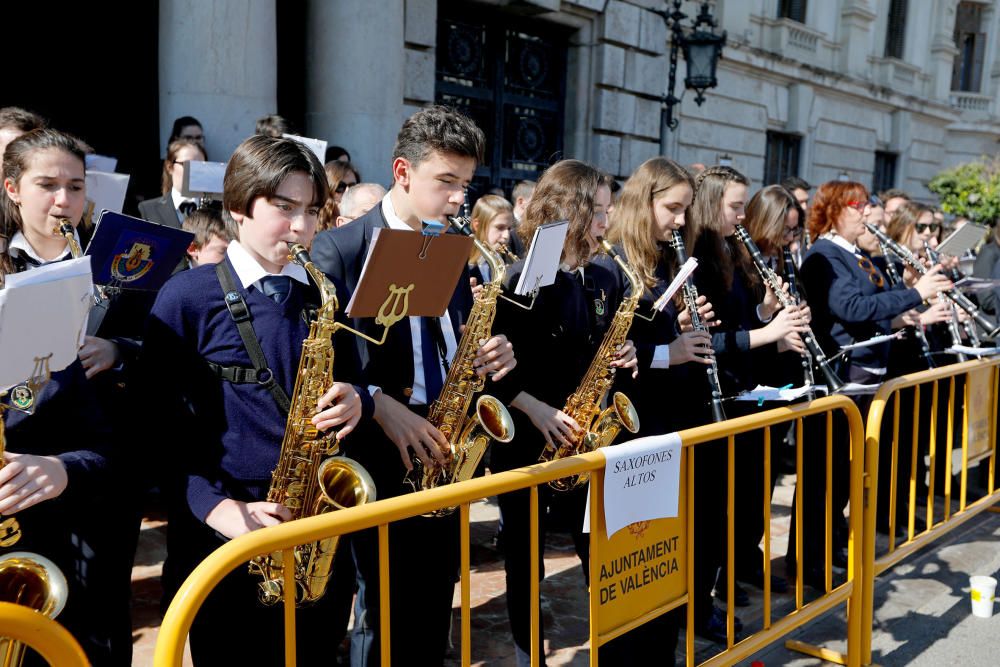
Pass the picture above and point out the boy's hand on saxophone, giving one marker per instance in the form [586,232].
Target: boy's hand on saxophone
[410,432]
[495,357]
[233,518]
[626,357]
[557,427]
[339,406]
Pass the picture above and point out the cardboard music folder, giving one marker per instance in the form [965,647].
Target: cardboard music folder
[409,272]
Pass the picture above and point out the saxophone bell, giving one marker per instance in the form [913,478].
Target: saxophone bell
[33,581]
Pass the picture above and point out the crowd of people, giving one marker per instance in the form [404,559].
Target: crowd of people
[186,397]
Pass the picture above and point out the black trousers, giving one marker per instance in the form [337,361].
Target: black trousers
[233,626]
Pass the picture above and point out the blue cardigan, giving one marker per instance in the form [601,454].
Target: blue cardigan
[226,436]
[847,307]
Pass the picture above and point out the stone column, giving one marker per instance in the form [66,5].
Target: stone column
[218,63]
[356,61]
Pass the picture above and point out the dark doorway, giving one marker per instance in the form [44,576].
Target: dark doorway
[507,73]
[98,82]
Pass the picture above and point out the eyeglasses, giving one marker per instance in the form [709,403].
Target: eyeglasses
[857,205]
[924,226]
[342,187]
[874,275]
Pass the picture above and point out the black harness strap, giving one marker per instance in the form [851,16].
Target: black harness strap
[260,373]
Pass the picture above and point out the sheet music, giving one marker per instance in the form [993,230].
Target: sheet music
[963,239]
[686,270]
[317,146]
[203,178]
[766,393]
[106,190]
[43,312]
[542,263]
[364,267]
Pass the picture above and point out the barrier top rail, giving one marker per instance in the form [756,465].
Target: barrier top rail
[51,640]
[196,588]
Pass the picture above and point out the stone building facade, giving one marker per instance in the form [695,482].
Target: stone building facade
[885,91]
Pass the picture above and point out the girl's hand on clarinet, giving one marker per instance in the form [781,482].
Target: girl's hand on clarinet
[792,343]
[939,312]
[693,346]
[932,282]
[770,305]
[98,355]
[705,311]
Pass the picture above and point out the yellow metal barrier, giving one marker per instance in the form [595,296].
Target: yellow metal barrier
[979,418]
[192,594]
[51,640]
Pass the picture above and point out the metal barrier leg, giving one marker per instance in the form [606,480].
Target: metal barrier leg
[466,587]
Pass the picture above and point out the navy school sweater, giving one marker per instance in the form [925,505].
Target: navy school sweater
[226,437]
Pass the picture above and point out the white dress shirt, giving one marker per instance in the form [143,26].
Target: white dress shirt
[179,199]
[19,243]
[249,271]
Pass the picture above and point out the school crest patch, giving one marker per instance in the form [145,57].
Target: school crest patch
[22,397]
[132,265]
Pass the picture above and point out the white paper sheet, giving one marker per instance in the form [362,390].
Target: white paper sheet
[106,190]
[317,146]
[641,481]
[766,393]
[963,239]
[686,270]
[542,263]
[203,178]
[364,267]
[104,163]
[43,312]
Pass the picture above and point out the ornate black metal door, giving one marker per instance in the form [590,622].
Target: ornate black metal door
[509,75]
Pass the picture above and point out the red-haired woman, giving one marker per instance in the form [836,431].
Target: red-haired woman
[851,301]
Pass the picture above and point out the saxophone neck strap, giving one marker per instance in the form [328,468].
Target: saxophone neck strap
[260,373]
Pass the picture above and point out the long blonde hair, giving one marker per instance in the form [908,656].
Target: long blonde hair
[565,191]
[487,208]
[632,224]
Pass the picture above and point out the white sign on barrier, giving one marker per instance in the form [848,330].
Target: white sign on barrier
[641,481]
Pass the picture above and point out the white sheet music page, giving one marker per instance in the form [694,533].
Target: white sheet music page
[43,312]
[542,263]
[686,270]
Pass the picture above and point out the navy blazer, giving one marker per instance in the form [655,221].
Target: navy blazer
[340,253]
[160,210]
[847,306]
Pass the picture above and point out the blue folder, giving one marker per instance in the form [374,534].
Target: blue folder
[131,253]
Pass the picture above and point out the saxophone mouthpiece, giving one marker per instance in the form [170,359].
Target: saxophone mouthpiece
[608,248]
[64,228]
[298,253]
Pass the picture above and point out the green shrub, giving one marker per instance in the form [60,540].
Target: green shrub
[970,190]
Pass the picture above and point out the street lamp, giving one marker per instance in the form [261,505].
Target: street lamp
[702,49]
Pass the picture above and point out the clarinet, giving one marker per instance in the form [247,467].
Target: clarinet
[918,328]
[690,294]
[970,330]
[953,332]
[770,278]
[953,294]
[793,290]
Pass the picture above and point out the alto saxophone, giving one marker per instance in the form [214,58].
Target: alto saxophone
[309,479]
[469,436]
[600,427]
